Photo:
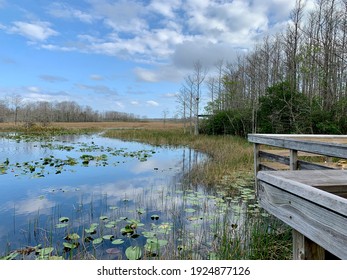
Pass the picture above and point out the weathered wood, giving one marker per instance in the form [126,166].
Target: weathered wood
[305,165]
[302,184]
[274,157]
[320,148]
[302,165]
[266,167]
[256,164]
[305,249]
[326,227]
[312,202]
[293,159]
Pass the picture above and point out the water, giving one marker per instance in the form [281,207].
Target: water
[77,195]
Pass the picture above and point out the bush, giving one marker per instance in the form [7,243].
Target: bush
[283,110]
[235,122]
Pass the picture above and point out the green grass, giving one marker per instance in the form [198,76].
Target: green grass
[229,156]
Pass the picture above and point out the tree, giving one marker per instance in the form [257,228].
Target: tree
[283,111]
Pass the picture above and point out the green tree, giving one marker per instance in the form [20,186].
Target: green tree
[283,110]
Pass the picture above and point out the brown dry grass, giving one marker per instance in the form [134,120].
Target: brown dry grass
[157,125]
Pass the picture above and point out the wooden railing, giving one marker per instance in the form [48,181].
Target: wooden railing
[303,152]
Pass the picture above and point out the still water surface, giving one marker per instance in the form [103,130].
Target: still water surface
[102,196]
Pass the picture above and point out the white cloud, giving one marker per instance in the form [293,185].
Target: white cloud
[120,105]
[61,10]
[34,89]
[121,16]
[145,75]
[152,103]
[135,103]
[98,89]
[35,31]
[165,8]
[160,73]
[96,77]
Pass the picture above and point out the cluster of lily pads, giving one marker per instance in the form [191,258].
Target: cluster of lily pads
[53,165]
[191,227]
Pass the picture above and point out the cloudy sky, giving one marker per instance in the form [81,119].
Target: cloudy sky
[123,55]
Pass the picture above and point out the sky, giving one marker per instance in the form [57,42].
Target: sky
[124,55]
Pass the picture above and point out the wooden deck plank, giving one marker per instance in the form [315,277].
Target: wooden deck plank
[327,228]
[299,182]
[312,200]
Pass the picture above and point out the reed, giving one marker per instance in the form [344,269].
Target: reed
[229,155]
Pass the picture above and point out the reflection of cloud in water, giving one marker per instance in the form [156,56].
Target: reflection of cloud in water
[33,205]
[153,164]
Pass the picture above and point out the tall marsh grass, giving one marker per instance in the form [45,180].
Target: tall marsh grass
[229,155]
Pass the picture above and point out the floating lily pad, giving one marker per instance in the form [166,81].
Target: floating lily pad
[61,225]
[155,217]
[118,241]
[189,210]
[97,241]
[72,236]
[64,219]
[108,237]
[133,253]
[70,246]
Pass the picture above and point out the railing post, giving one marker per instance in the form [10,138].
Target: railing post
[256,166]
[293,159]
[303,248]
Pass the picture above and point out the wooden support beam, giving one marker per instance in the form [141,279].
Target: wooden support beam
[306,249]
[256,165]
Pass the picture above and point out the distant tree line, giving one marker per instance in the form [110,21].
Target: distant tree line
[14,109]
[291,82]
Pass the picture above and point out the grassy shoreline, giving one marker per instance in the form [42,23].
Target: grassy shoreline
[230,156]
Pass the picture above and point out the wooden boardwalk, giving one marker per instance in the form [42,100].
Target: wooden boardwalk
[310,196]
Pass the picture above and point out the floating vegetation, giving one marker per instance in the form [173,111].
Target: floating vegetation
[87,154]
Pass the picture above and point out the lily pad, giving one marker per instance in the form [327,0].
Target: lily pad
[97,241]
[108,237]
[64,219]
[117,241]
[155,217]
[70,246]
[72,236]
[61,225]
[133,253]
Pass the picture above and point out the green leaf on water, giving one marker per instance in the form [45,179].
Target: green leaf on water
[108,237]
[133,253]
[111,224]
[72,236]
[103,218]
[45,251]
[189,210]
[97,241]
[155,217]
[69,245]
[64,219]
[61,225]
[118,241]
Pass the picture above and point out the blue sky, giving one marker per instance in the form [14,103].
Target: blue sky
[128,56]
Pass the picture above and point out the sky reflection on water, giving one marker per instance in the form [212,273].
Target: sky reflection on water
[82,192]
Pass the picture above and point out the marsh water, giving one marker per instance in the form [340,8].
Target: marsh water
[91,197]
